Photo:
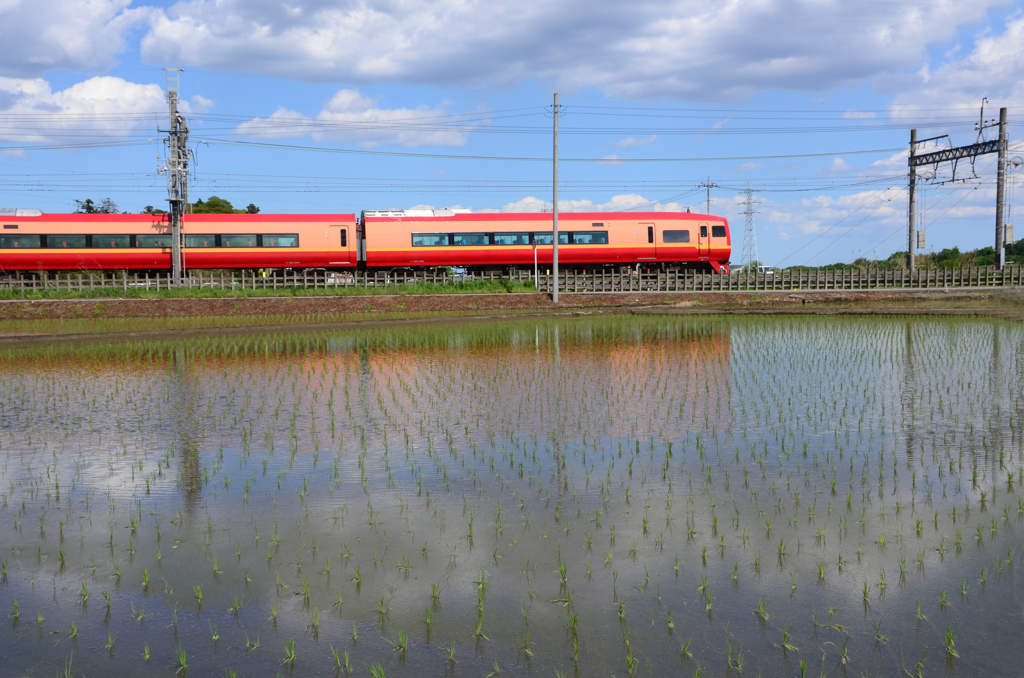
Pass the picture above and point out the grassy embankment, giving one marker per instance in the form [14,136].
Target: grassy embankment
[469,287]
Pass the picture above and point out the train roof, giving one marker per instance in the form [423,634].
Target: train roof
[467,215]
[39,216]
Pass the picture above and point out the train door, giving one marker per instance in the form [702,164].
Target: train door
[342,240]
[649,239]
[703,242]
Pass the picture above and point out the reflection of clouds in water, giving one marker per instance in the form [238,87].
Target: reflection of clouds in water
[776,407]
[1018,594]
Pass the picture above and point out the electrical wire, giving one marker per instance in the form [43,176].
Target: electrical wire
[794,253]
[847,231]
[451,156]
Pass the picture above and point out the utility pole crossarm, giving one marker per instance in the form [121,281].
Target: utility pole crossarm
[708,185]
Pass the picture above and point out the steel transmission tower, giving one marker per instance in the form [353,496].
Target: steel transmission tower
[176,168]
[749,237]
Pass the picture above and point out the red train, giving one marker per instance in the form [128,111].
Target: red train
[379,240]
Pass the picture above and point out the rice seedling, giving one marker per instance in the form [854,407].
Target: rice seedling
[951,652]
[761,611]
[289,652]
[734,657]
[181,665]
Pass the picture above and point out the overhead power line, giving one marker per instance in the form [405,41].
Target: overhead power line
[609,161]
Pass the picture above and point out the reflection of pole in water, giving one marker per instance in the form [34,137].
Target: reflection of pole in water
[907,397]
[187,429]
[995,428]
[1017,404]
[558,423]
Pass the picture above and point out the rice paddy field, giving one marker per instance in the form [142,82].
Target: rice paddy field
[627,496]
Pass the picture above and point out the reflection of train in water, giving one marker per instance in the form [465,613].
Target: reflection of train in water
[379,240]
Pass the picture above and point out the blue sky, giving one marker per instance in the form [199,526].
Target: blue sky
[809,102]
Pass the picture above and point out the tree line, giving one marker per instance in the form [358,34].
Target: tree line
[213,205]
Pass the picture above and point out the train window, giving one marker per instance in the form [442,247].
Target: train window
[344,237]
[279,240]
[200,240]
[703,230]
[470,239]
[650,234]
[19,241]
[430,239]
[65,241]
[718,231]
[111,241]
[545,238]
[511,238]
[153,241]
[590,238]
[675,237]
[238,240]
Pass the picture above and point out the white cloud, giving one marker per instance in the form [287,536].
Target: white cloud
[102,106]
[351,116]
[527,204]
[674,48]
[858,115]
[839,166]
[749,167]
[44,35]
[992,69]
[617,203]
[629,142]
[610,159]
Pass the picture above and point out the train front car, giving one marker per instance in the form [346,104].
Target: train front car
[33,241]
[587,240]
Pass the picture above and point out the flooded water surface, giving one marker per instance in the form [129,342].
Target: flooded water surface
[593,497]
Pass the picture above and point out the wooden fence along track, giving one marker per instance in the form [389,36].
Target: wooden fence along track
[569,281]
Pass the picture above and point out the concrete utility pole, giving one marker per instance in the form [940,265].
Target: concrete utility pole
[554,204]
[911,200]
[1001,194]
[176,168]
[708,185]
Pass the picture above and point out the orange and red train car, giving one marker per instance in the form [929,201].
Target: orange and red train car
[379,240]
